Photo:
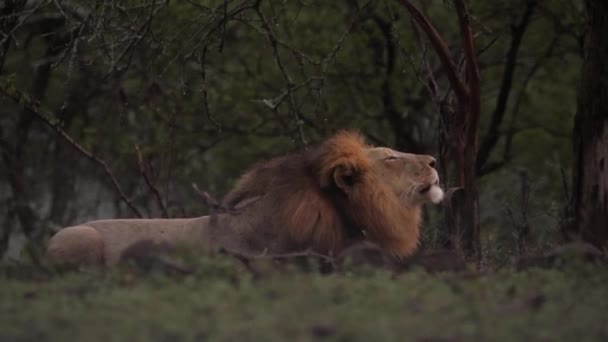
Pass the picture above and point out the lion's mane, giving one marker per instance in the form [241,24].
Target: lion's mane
[324,199]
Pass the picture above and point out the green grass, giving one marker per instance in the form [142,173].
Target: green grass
[224,302]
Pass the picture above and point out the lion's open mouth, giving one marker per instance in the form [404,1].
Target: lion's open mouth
[425,189]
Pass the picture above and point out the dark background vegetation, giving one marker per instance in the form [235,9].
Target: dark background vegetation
[202,89]
[143,98]
[115,108]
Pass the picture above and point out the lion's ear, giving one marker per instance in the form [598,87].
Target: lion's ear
[344,178]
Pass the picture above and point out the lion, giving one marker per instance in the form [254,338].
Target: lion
[324,200]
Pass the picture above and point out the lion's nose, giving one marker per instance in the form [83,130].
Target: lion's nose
[432,163]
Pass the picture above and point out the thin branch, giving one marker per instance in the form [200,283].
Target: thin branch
[492,136]
[428,79]
[141,33]
[441,47]
[331,56]
[290,84]
[274,103]
[50,120]
[9,21]
[144,172]
[205,86]
[214,205]
[489,167]
[263,255]
[472,68]
[283,44]
[567,192]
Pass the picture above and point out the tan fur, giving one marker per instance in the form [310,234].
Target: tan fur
[324,199]
[103,241]
[82,243]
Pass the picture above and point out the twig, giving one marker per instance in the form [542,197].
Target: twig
[331,56]
[511,131]
[53,122]
[472,69]
[274,103]
[144,172]
[429,82]
[283,44]
[565,184]
[205,97]
[263,256]
[141,33]
[214,205]
[492,136]
[441,47]
[290,84]
[206,31]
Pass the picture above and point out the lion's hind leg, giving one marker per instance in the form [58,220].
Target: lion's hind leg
[77,245]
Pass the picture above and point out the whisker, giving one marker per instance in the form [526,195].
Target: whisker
[410,190]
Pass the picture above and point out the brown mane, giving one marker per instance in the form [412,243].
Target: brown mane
[325,199]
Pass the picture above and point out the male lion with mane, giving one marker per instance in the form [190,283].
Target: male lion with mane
[325,199]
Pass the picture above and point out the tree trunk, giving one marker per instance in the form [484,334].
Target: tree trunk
[459,132]
[589,202]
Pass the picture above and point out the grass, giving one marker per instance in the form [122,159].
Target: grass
[222,302]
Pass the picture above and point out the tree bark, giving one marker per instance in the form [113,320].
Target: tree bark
[461,127]
[470,109]
[589,201]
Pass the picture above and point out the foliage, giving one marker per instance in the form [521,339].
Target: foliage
[221,302]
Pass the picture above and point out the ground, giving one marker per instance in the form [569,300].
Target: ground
[222,301]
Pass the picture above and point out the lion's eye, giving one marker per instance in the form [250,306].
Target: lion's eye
[389,158]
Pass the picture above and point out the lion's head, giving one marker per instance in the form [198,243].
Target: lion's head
[412,176]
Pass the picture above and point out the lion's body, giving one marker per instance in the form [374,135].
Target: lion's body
[104,241]
[324,199]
